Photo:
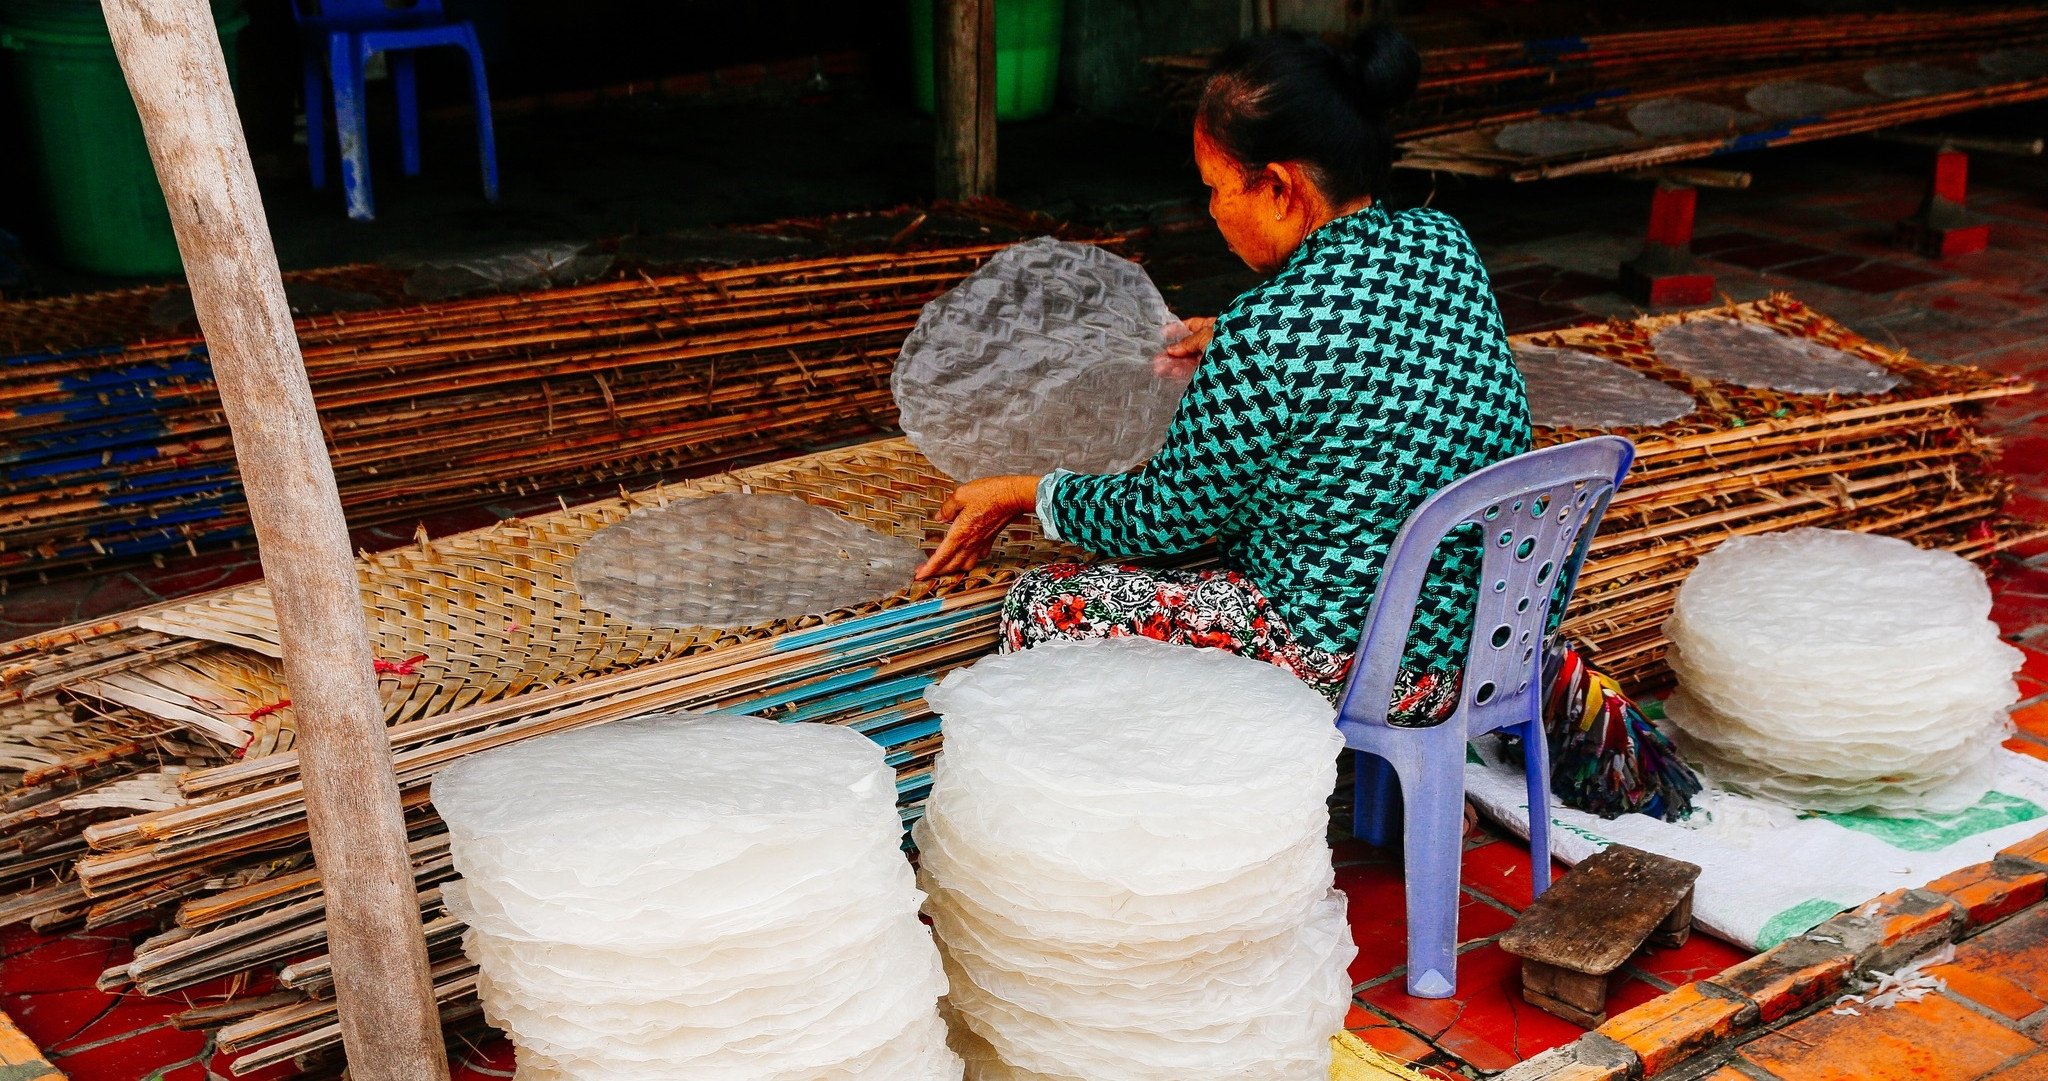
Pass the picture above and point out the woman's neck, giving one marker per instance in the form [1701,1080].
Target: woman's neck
[1327,213]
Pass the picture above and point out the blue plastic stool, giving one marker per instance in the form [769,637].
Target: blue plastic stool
[1538,513]
[340,39]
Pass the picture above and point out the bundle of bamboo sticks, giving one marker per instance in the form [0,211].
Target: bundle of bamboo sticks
[184,802]
[121,452]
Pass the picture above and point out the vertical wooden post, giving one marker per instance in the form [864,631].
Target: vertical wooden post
[172,59]
[964,43]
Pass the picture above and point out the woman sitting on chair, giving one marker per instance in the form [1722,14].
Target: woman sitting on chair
[1370,370]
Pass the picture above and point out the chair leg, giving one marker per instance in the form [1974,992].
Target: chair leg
[345,64]
[486,138]
[404,80]
[1376,807]
[316,119]
[1536,772]
[1433,787]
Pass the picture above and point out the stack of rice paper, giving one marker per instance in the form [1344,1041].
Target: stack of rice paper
[1128,869]
[1838,671]
[717,898]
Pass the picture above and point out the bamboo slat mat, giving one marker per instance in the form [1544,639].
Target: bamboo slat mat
[122,451]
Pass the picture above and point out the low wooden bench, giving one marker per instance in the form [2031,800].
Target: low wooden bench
[1596,917]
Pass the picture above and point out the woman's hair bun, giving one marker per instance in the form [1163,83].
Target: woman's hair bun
[1291,97]
[1386,66]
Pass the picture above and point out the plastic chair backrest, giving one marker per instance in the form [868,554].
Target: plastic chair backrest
[1532,511]
[367,13]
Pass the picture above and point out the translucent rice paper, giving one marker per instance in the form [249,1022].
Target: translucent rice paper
[1572,389]
[1554,138]
[1667,117]
[1754,355]
[1792,100]
[734,560]
[2015,63]
[1839,671]
[1126,860]
[1042,359]
[717,898]
[1920,80]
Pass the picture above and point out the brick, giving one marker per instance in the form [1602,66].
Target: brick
[1989,990]
[2032,851]
[1794,975]
[1988,894]
[1592,1057]
[1670,1029]
[1935,1037]
[2032,1068]
[1895,927]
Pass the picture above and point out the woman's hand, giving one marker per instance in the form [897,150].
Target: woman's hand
[1178,361]
[979,511]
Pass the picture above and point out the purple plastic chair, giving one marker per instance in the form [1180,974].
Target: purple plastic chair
[1537,513]
[341,36]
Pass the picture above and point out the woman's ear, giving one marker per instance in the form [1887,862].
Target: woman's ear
[1283,184]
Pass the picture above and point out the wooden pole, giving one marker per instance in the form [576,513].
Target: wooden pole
[964,41]
[172,59]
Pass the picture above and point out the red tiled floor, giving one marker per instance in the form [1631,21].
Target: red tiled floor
[1387,1036]
[1767,255]
[494,1058]
[127,1013]
[1878,277]
[50,1018]
[1488,1025]
[59,965]
[137,1054]
[1721,242]
[1701,956]
[1501,871]
[1379,924]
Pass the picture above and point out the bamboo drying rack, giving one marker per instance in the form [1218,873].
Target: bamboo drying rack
[160,777]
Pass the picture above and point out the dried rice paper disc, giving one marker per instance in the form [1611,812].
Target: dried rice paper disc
[1573,389]
[1920,80]
[1753,355]
[1040,360]
[2015,64]
[1791,99]
[736,560]
[1560,138]
[1664,118]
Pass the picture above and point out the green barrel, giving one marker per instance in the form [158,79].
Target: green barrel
[1027,56]
[101,204]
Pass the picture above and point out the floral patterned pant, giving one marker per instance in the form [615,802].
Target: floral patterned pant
[1215,609]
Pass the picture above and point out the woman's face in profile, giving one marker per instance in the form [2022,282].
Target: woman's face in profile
[1250,209]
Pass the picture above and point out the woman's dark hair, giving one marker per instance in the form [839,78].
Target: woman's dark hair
[1291,97]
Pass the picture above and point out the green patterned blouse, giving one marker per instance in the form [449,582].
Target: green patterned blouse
[1369,372]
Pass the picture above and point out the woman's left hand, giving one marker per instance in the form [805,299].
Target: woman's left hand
[979,510]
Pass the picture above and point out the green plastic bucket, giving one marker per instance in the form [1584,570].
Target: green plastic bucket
[101,204]
[1027,56]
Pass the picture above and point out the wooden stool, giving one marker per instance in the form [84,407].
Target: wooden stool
[1594,919]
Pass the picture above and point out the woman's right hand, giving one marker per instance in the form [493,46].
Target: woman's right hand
[1178,361]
